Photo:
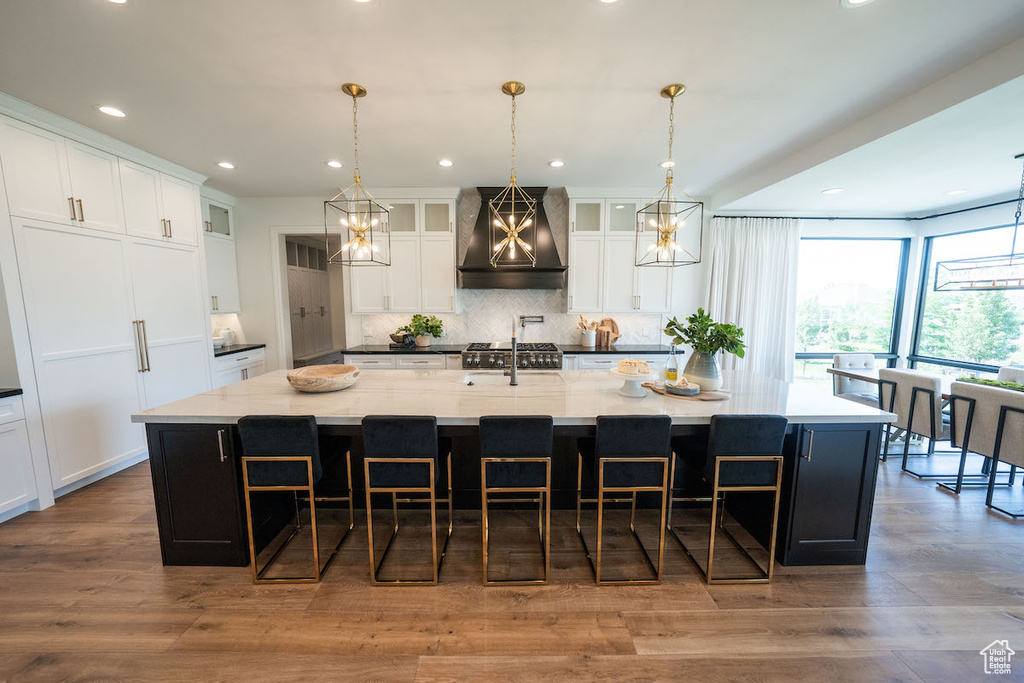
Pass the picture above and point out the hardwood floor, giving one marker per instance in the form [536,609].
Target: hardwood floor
[83,596]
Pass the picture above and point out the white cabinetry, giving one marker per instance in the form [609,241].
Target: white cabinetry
[57,180]
[221,262]
[603,275]
[422,274]
[380,361]
[159,206]
[238,367]
[17,483]
[309,299]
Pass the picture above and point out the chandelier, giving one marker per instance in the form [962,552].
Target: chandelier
[669,225]
[986,272]
[353,217]
[512,232]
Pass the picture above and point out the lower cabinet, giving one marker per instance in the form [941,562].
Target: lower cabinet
[17,480]
[198,492]
[830,487]
[238,367]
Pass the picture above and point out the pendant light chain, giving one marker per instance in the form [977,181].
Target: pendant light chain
[513,172]
[355,137]
[1016,218]
[671,136]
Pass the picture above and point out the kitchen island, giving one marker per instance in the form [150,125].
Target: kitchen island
[830,457]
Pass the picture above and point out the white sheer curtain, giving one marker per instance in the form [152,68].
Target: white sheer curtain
[753,284]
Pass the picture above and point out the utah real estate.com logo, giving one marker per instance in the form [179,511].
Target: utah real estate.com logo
[997,657]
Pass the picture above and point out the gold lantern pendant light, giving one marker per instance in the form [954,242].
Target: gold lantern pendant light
[513,233]
[353,217]
[668,226]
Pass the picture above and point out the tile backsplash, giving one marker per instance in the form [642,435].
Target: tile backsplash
[486,314]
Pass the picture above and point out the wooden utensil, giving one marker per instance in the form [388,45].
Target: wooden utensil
[613,327]
[702,396]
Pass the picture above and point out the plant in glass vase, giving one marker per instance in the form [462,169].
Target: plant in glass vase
[707,338]
[424,327]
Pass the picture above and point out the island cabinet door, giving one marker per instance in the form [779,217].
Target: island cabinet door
[831,494]
[196,483]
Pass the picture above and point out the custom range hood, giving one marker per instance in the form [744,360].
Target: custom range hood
[477,271]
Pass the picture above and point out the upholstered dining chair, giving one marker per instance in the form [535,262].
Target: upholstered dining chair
[857,390]
[1011,374]
[916,398]
[988,421]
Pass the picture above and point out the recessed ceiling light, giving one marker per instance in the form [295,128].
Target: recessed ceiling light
[334,163]
[953,193]
[446,163]
[118,2]
[620,206]
[362,0]
[853,3]
[112,111]
[556,163]
[608,2]
[226,164]
[667,164]
[832,190]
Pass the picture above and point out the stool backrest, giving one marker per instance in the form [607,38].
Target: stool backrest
[988,403]
[516,436]
[906,381]
[857,361]
[400,436]
[744,435]
[280,436]
[633,435]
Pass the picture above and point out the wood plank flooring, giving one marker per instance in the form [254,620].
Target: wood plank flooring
[83,597]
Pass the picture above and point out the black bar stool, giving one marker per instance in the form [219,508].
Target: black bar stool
[515,458]
[403,455]
[282,453]
[630,455]
[744,454]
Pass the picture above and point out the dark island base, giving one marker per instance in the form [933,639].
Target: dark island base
[824,513]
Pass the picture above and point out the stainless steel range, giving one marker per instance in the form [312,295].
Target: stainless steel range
[498,356]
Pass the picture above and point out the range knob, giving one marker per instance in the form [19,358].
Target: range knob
[501,362]
[492,360]
[525,363]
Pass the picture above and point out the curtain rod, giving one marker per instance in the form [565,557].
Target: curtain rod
[881,218]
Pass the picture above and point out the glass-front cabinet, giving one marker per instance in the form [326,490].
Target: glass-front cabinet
[216,218]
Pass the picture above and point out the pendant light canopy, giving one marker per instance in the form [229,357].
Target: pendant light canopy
[670,228]
[986,272]
[355,224]
[513,231]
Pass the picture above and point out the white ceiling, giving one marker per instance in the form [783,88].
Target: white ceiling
[257,82]
[970,146]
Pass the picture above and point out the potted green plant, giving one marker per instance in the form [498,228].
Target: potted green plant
[707,338]
[424,327]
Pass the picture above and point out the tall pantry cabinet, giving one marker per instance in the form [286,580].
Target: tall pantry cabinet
[108,267]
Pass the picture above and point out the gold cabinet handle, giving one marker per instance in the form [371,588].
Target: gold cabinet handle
[220,444]
[145,346]
[81,213]
[810,445]
[163,227]
[138,346]
[71,201]
[170,229]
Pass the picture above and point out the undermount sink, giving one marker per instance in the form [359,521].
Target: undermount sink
[496,378]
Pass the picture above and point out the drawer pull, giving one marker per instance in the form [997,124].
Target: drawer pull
[810,445]
[220,444]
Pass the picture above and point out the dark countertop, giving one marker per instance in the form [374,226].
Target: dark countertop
[638,349]
[229,349]
[384,348]
[7,393]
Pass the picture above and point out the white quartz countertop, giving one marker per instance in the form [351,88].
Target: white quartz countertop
[570,397]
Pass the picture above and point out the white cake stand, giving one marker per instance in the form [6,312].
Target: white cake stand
[632,385]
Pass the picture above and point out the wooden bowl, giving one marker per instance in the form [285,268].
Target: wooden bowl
[318,379]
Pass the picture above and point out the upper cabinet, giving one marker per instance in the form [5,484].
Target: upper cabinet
[62,181]
[217,218]
[159,206]
[603,275]
[422,275]
[219,242]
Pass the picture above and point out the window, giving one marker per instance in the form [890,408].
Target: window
[974,331]
[849,296]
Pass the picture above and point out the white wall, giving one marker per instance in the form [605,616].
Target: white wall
[8,366]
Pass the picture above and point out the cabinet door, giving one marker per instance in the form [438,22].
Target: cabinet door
[585,273]
[226,377]
[619,275]
[35,173]
[17,482]
[404,276]
[586,215]
[140,194]
[369,286]
[622,216]
[198,497]
[654,289]
[438,289]
[166,286]
[96,184]
[78,304]
[438,216]
[222,274]
[298,343]
[833,490]
[297,292]
[181,207]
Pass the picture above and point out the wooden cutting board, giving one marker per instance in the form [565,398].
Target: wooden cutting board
[702,396]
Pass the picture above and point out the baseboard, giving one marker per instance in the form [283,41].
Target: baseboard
[20,510]
[102,474]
